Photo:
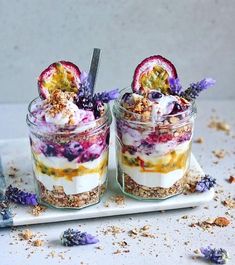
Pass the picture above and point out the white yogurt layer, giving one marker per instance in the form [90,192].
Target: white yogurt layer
[154,179]
[78,184]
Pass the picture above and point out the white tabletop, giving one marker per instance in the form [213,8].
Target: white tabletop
[175,240]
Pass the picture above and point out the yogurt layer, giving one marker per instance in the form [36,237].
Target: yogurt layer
[154,180]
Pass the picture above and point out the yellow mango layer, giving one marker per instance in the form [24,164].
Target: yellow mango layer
[164,164]
[70,173]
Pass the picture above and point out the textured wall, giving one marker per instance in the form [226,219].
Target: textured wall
[198,36]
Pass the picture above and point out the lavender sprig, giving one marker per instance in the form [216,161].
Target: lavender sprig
[217,256]
[86,100]
[105,97]
[195,89]
[21,197]
[205,184]
[72,237]
[5,214]
[84,90]
[175,86]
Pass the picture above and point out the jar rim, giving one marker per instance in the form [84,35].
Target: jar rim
[105,118]
[118,109]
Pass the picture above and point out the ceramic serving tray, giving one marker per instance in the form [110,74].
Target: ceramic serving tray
[16,153]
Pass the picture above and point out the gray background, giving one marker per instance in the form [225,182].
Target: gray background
[198,36]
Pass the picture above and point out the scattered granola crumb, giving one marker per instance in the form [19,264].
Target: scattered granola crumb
[221,221]
[147,234]
[52,254]
[230,203]
[146,227]
[106,204]
[133,232]
[184,217]
[219,125]
[117,252]
[210,222]
[38,243]
[26,234]
[231,179]
[119,199]
[219,153]
[143,231]
[37,210]
[113,230]
[12,171]
[100,247]
[199,140]
[122,244]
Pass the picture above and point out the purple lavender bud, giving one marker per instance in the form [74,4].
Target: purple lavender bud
[105,97]
[194,89]
[113,94]
[217,256]
[18,196]
[5,214]
[83,77]
[205,83]
[72,237]
[205,184]
[175,85]
[84,81]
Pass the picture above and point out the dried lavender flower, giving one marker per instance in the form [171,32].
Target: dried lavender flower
[105,97]
[72,237]
[21,197]
[5,214]
[175,86]
[217,256]
[194,89]
[84,82]
[86,100]
[205,184]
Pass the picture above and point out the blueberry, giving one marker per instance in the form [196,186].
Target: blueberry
[155,95]
[69,154]
[126,96]
[72,150]
[50,150]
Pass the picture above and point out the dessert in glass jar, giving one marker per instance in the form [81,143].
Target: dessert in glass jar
[69,132]
[154,128]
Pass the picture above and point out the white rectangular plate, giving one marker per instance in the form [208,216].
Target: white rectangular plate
[16,153]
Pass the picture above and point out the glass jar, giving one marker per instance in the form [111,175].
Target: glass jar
[69,162]
[152,157]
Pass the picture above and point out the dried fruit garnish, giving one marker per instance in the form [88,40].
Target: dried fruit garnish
[60,75]
[221,221]
[153,73]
